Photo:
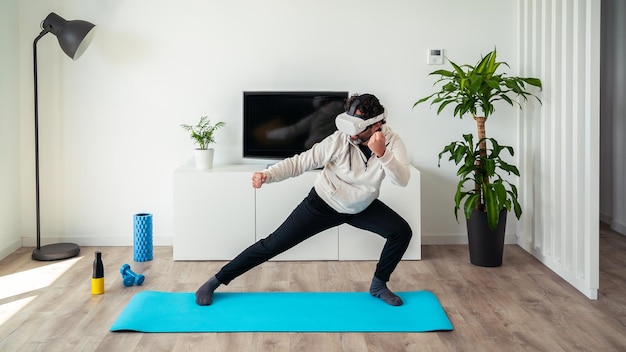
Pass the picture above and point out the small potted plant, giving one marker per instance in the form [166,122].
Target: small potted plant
[203,134]
[474,89]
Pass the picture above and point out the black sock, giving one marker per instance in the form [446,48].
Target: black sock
[204,295]
[379,289]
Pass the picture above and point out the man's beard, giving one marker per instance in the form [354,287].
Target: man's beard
[359,140]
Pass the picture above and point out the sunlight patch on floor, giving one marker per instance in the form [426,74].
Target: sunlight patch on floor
[29,281]
[34,279]
[8,310]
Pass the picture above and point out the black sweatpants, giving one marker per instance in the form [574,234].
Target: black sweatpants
[313,216]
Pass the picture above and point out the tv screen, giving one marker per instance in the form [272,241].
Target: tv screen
[278,125]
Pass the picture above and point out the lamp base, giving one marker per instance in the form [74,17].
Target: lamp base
[56,251]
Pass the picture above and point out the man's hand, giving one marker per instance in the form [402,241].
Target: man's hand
[376,143]
[258,179]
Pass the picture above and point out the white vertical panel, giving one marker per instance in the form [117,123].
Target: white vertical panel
[559,140]
[541,131]
[524,124]
[552,114]
[579,100]
[592,152]
[567,118]
[546,144]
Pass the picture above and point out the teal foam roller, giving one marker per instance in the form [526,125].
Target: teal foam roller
[142,237]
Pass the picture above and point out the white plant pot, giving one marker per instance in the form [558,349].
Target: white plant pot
[204,158]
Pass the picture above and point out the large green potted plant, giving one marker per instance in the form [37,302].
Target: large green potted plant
[483,194]
[203,134]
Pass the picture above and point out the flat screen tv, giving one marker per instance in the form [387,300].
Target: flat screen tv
[278,125]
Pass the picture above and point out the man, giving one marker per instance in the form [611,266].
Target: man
[355,160]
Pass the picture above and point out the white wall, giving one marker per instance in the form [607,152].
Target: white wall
[110,135]
[613,116]
[10,238]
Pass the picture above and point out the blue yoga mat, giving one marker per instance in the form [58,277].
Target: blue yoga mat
[151,311]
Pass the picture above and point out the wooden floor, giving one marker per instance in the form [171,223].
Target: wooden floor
[521,306]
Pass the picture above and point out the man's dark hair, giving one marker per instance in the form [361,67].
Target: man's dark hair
[368,104]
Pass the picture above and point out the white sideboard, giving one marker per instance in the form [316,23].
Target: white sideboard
[217,214]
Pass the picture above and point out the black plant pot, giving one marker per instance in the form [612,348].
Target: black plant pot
[485,245]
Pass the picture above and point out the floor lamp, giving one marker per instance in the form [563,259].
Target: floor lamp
[74,37]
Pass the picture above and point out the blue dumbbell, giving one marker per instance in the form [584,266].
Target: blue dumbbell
[130,277]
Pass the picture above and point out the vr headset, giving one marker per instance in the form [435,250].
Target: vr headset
[351,124]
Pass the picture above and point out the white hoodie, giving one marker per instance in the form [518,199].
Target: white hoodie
[348,182]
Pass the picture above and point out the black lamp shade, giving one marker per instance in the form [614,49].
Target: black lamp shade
[74,36]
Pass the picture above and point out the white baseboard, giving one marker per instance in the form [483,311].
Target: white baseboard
[444,239]
[605,218]
[115,241]
[458,239]
[618,227]
[108,241]
[12,247]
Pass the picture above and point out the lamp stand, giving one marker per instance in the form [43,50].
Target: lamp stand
[52,251]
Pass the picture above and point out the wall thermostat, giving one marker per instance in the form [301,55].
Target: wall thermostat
[435,56]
